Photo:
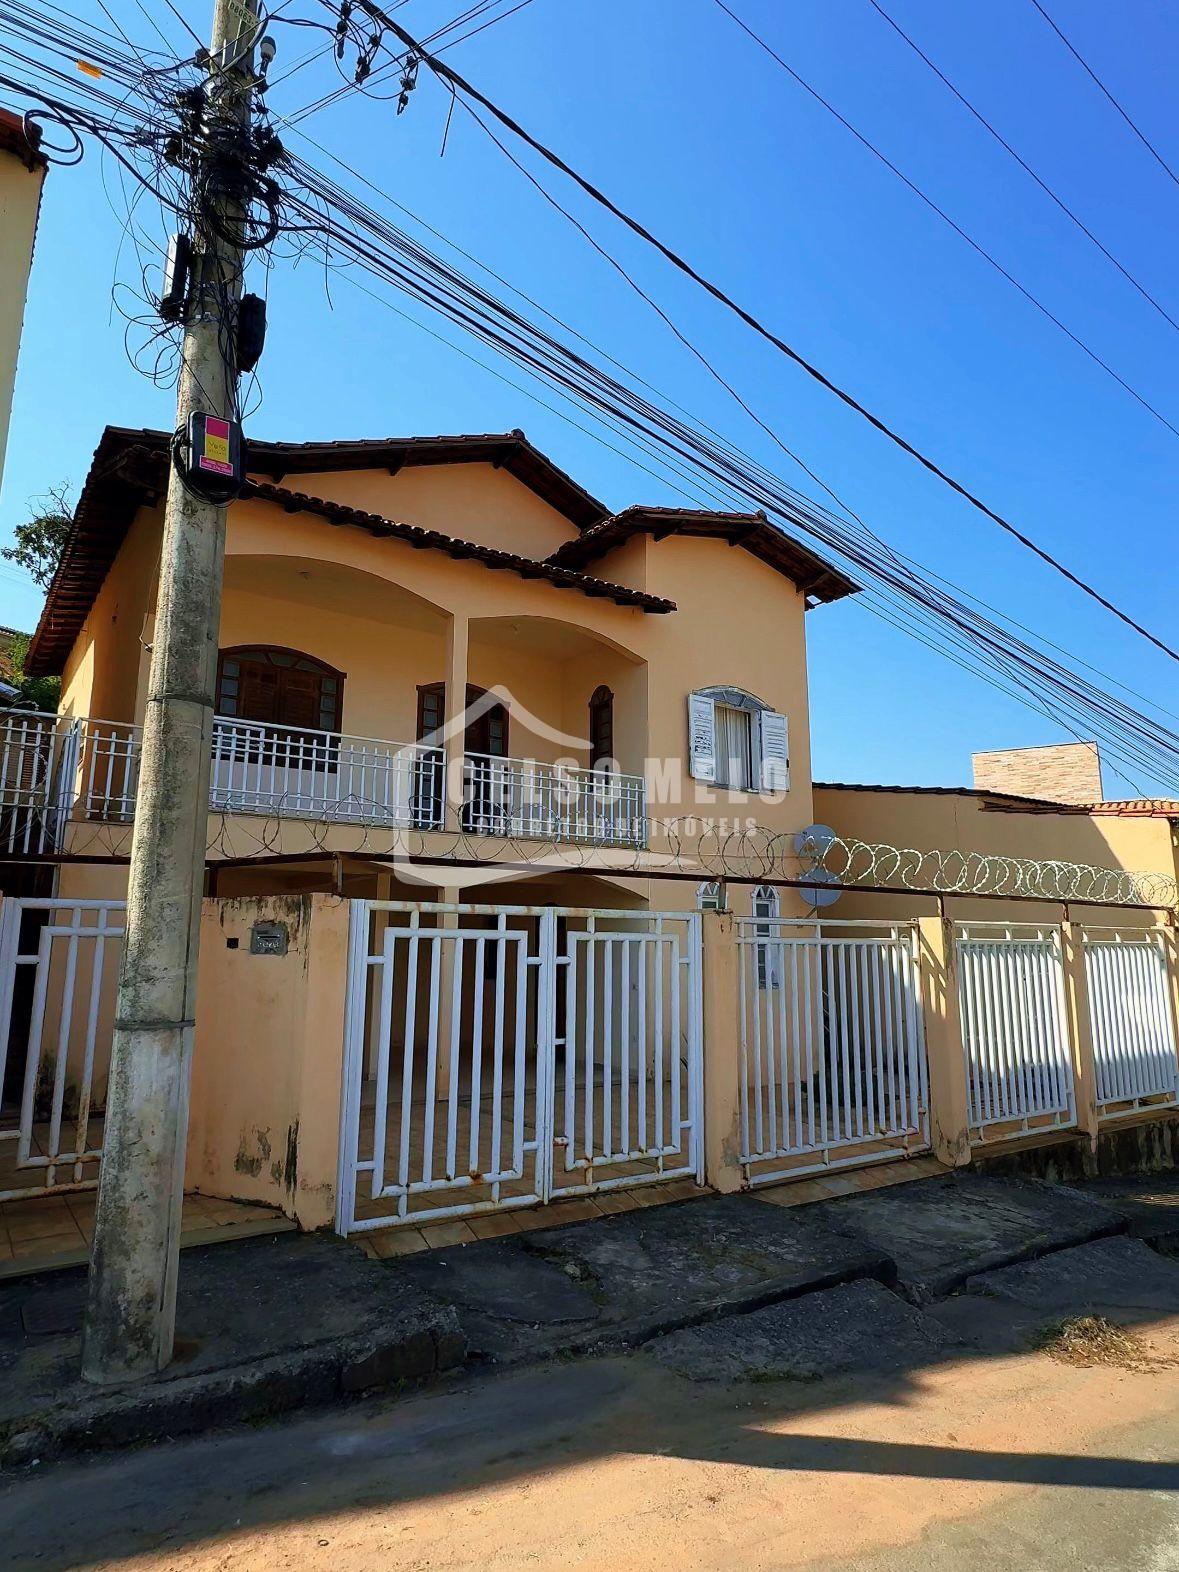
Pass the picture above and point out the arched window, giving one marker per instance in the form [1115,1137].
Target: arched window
[766,905]
[737,741]
[601,728]
[711,896]
[279,687]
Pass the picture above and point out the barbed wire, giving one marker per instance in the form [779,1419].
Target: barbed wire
[680,846]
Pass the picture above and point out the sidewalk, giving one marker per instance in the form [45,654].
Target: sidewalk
[738,1287]
[262,1326]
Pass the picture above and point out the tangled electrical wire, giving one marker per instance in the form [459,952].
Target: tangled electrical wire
[146,111]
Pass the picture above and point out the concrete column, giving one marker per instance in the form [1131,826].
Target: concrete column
[449,896]
[455,724]
[949,1116]
[1080,1029]
[1171,951]
[722,1052]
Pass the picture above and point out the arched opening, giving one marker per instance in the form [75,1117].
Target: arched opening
[275,686]
[601,728]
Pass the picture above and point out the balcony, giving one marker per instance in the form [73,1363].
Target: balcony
[53,770]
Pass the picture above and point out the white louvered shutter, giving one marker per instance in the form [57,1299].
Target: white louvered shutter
[775,752]
[701,737]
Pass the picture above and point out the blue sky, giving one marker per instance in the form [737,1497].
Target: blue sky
[687,124]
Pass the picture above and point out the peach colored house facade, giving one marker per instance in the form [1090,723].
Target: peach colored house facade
[480,747]
[410,575]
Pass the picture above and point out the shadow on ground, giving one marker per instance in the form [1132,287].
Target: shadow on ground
[868,1335]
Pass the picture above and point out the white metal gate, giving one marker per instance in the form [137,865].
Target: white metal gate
[502,1056]
[1014,1033]
[1130,1018]
[833,1066]
[59,963]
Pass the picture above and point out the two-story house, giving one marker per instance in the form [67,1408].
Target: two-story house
[446,635]
[446,676]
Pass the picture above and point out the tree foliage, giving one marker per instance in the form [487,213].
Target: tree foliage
[35,693]
[38,543]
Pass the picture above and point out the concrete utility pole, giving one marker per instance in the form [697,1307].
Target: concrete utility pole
[132,1296]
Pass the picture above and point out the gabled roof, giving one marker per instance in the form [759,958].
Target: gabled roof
[130,469]
[817,579]
[489,556]
[510,450]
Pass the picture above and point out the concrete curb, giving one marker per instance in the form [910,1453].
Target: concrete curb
[377,1359]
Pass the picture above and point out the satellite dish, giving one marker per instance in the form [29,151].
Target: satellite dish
[813,843]
[826,891]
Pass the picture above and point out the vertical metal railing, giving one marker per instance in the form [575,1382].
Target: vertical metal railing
[1134,1049]
[305,773]
[58,967]
[522,797]
[501,1056]
[628,1051]
[832,1044]
[1014,1027]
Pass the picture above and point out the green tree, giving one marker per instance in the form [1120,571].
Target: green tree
[38,543]
[36,693]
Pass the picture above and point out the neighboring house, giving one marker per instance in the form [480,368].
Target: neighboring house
[22,174]
[392,605]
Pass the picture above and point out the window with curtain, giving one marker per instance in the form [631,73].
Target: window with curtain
[734,748]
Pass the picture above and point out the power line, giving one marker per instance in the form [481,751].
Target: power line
[460,83]
[416,272]
[1023,164]
[1089,71]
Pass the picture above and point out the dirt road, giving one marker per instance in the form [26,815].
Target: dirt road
[1016,1461]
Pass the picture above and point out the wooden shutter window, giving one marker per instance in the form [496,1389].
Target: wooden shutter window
[775,752]
[701,737]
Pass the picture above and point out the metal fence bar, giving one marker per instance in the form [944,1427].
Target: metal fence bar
[1014,1033]
[830,1010]
[1133,1040]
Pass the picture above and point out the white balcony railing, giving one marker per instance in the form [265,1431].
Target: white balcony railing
[53,769]
[303,774]
[552,802]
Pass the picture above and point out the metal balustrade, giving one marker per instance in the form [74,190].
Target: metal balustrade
[318,774]
[56,768]
[521,797]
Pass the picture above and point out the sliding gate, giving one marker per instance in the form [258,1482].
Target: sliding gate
[505,1056]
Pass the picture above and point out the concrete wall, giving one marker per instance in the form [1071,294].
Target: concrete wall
[20,200]
[968,822]
[268,1056]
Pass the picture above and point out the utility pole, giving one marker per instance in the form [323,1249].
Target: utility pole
[130,1316]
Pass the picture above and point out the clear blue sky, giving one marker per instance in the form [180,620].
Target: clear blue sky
[678,115]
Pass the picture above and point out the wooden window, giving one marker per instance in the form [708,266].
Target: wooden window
[279,687]
[737,741]
[601,728]
[487,731]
